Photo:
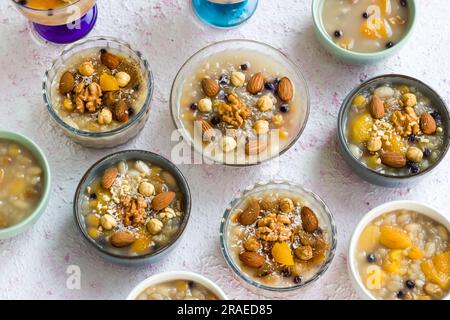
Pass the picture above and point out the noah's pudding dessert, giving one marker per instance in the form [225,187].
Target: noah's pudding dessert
[241,107]
[21,184]
[133,209]
[277,240]
[365,25]
[395,130]
[99,90]
[177,290]
[404,255]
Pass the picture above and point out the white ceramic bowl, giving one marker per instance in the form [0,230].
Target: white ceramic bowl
[177,275]
[421,208]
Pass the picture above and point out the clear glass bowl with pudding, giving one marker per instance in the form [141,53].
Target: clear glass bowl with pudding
[278,237]
[98,92]
[59,21]
[239,102]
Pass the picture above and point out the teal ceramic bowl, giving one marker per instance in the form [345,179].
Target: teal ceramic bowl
[352,56]
[41,206]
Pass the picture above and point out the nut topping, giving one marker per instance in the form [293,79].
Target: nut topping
[285,90]
[309,220]
[210,87]
[256,83]
[393,159]
[109,177]
[376,107]
[428,124]
[122,239]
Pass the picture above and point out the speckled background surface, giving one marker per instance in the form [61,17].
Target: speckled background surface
[34,264]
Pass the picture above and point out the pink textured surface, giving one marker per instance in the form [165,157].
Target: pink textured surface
[33,265]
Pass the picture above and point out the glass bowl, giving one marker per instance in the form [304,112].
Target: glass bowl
[261,50]
[97,170]
[326,223]
[106,139]
[358,167]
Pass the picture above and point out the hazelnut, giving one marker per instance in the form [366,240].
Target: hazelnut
[286,205]
[304,253]
[265,103]
[414,154]
[261,127]
[108,222]
[205,105]
[146,189]
[252,244]
[105,116]
[409,100]
[123,79]
[154,226]
[278,120]
[168,213]
[374,144]
[228,144]
[237,78]
[86,69]
[68,104]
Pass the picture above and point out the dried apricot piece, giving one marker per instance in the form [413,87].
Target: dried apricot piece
[394,238]
[415,253]
[369,239]
[360,128]
[108,83]
[393,262]
[433,275]
[359,101]
[282,254]
[442,262]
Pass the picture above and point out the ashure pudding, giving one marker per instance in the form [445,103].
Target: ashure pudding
[99,90]
[278,239]
[404,255]
[177,290]
[134,208]
[241,106]
[21,183]
[365,25]
[395,130]
[45,4]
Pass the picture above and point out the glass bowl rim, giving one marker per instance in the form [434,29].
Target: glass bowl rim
[171,168]
[46,10]
[247,279]
[82,133]
[187,137]
[346,104]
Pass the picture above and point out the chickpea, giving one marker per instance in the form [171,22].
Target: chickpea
[237,79]
[261,127]
[123,79]
[108,222]
[265,103]
[154,226]
[228,144]
[409,100]
[105,116]
[146,189]
[205,105]
[86,69]
[286,205]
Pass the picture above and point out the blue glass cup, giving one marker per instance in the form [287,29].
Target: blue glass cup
[224,13]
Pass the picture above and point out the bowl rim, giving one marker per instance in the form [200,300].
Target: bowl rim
[247,279]
[171,168]
[187,137]
[39,154]
[316,16]
[46,91]
[385,208]
[346,104]
[176,275]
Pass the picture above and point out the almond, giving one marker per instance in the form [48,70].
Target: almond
[67,83]
[110,60]
[254,147]
[121,111]
[256,83]
[208,132]
[250,214]
[210,87]
[427,123]
[121,239]
[252,259]
[310,222]
[285,90]
[376,107]
[393,160]
[162,200]
[109,177]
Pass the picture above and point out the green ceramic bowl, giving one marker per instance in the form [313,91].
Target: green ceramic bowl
[352,56]
[40,208]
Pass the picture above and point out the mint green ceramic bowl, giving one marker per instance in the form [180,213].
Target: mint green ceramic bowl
[352,56]
[40,208]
